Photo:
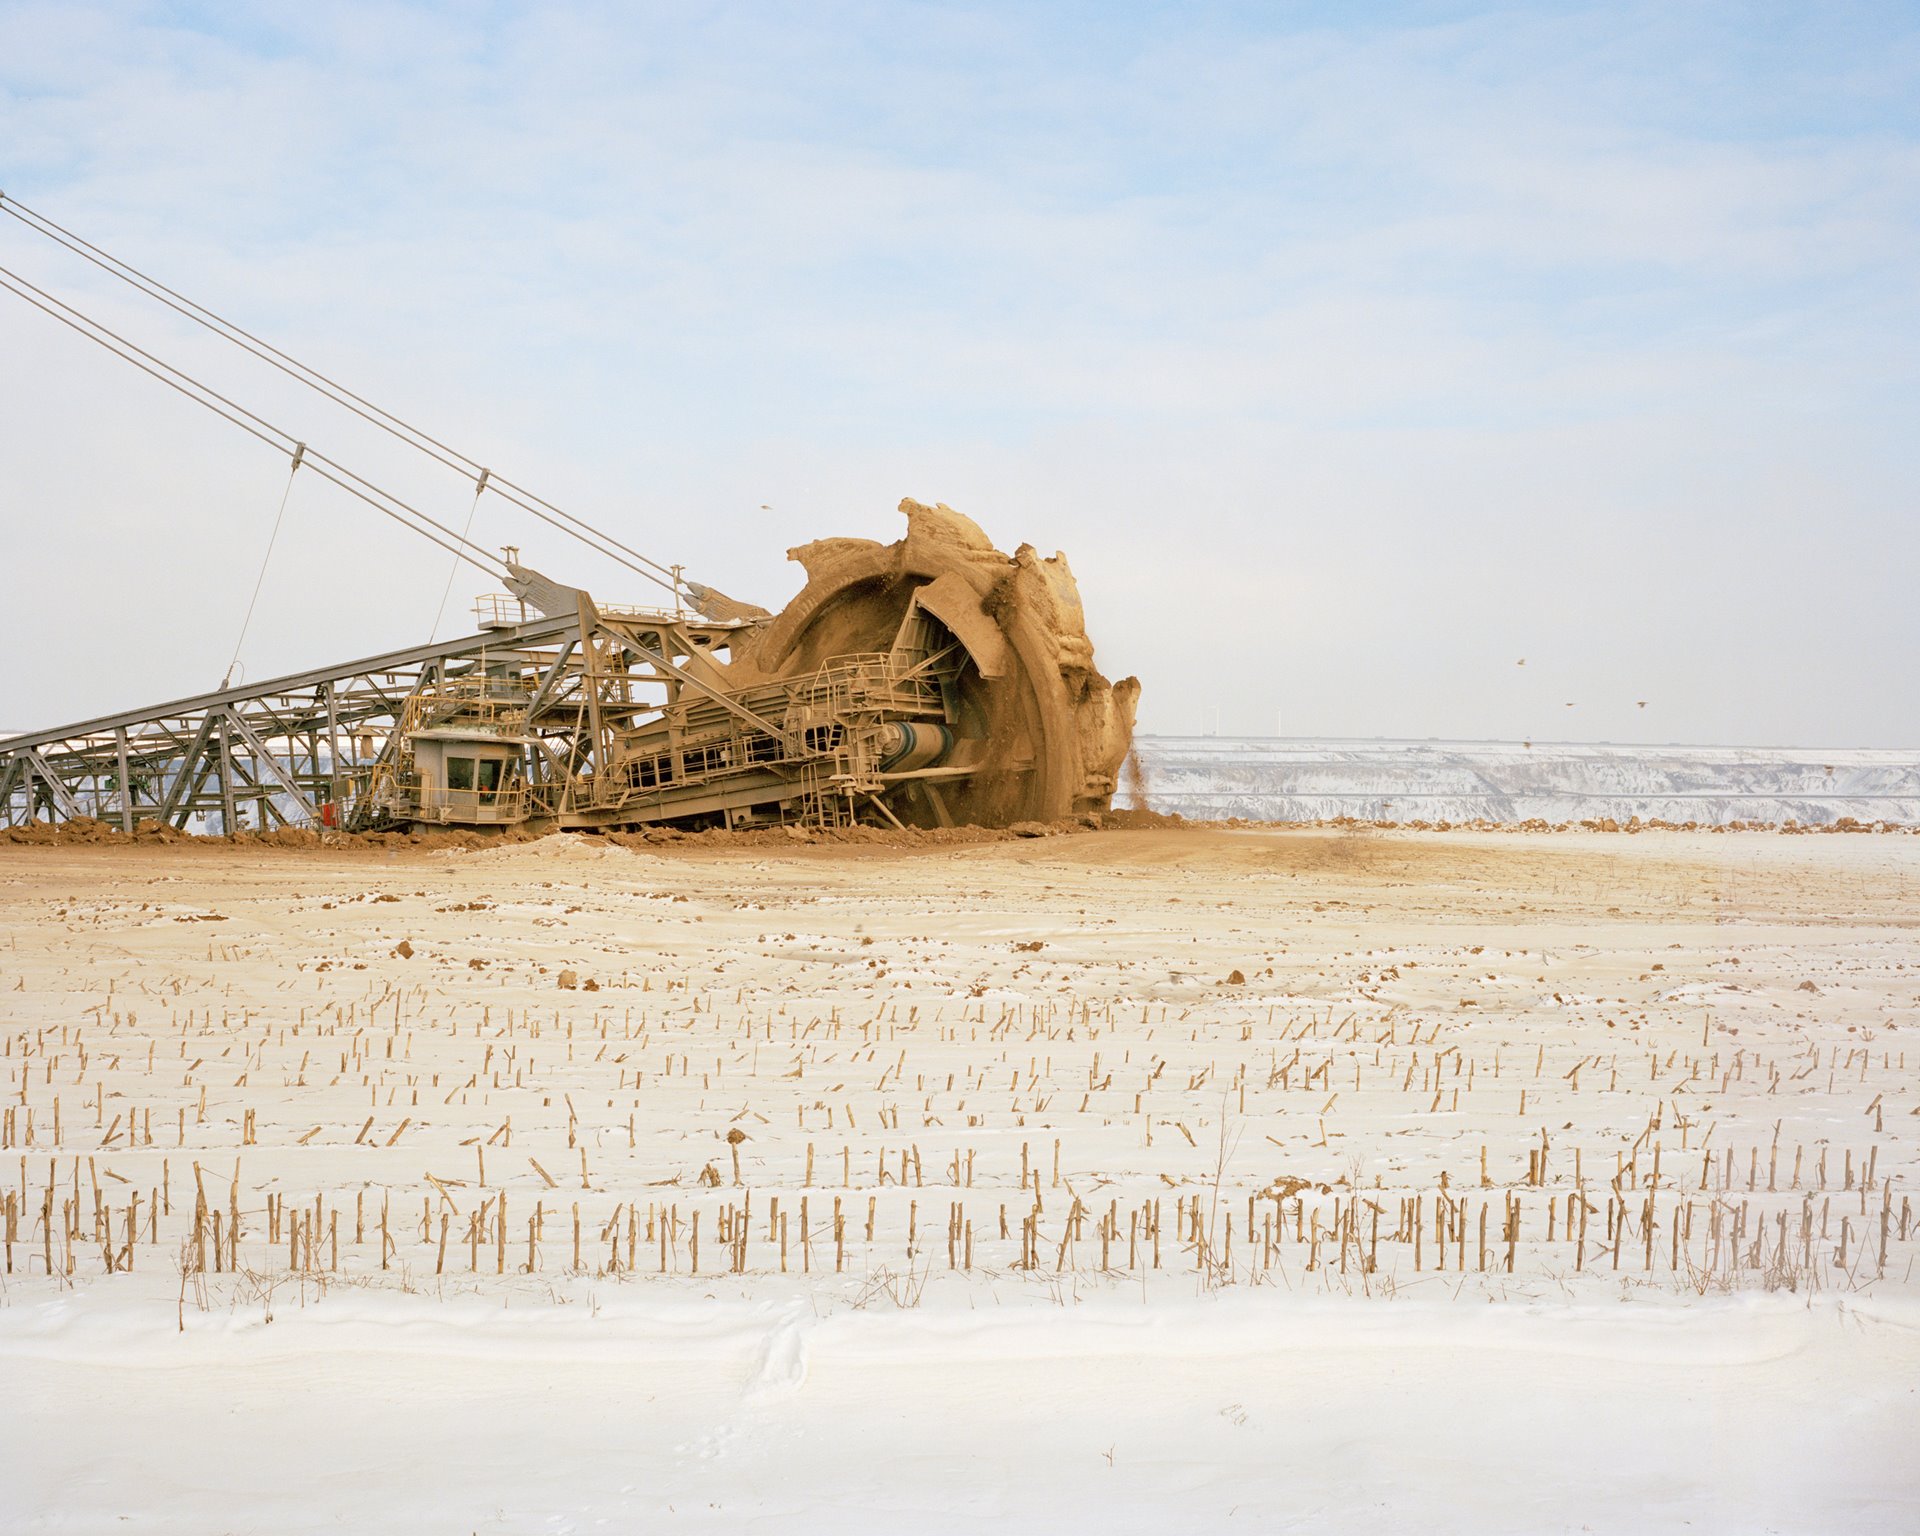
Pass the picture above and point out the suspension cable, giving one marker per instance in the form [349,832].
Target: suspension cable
[259,581]
[380,500]
[454,569]
[597,539]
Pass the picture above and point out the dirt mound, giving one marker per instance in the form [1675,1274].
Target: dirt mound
[81,829]
[571,847]
[1143,820]
[859,836]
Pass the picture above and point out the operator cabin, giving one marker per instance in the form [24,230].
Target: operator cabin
[470,776]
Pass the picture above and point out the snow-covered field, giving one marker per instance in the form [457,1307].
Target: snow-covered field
[1140,1180]
[1276,779]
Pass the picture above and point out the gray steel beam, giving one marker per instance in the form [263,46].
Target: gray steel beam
[13,768]
[126,782]
[262,758]
[327,689]
[225,760]
[177,791]
[659,662]
[551,681]
[57,790]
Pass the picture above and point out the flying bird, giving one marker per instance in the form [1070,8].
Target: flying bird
[1641,702]
[1521,662]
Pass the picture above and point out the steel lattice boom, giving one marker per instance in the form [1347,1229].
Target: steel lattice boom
[929,681]
[261,755]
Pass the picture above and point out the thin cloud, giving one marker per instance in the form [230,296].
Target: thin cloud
[1353,353]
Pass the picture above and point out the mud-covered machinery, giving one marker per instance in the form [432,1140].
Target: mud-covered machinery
[933,681]
[929,681]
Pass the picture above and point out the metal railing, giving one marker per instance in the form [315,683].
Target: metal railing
[495,610]
[476,699]
[632,612]
[472,805]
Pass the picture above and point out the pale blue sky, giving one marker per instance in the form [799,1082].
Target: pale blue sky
[1348,361]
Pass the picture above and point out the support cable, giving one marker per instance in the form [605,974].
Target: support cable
[454,569]
[382,501]
[299,453]
[596,539]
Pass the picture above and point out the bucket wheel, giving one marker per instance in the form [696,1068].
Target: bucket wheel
[1037,733]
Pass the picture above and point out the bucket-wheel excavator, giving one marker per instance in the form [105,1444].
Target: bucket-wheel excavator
[932,681]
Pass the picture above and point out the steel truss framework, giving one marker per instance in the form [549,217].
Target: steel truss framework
[273,753]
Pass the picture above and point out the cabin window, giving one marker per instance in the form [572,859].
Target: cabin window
[459,773]
[489,776]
